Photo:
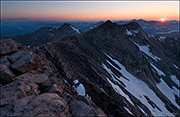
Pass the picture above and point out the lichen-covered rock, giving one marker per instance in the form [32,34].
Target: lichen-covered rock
[5,74]
[16,90]
[26,62]
[8,46]
[47,104]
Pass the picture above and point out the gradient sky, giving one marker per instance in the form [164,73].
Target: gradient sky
[96,10]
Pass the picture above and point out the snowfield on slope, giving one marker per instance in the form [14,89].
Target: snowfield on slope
[138,89]
[145,49]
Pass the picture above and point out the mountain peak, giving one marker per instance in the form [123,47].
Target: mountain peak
[133,24]
[65,24]
[108,22]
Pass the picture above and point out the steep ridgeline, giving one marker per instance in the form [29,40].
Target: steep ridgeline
[46,34]
[118,68]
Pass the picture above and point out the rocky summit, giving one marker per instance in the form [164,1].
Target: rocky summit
[111,70]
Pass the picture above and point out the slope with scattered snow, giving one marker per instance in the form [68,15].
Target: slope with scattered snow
[138,89]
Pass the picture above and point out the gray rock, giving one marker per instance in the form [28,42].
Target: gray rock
[8,46]
[26,62]
[5,74]
[40,79]
[82,107]
[47,104]
[16,90]
[17,56]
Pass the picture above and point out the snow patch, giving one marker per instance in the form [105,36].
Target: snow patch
[168,92]
[102,90]
[162,38]
[174,79]
[75,81]
[175,66]
[145,49]
[151,36]
[79,88]
[75,29]
[135,31]
[142,110]
[65,80]
[128,32]
[128,111]
[160,73]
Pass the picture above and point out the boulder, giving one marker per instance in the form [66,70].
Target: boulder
[8,46]
[16,90]
[47,104]
[81,106]
[26,62]
[17,56]
[5,74]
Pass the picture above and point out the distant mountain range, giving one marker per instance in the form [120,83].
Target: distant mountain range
[23,27]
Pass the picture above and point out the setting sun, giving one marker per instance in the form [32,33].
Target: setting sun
[163,19]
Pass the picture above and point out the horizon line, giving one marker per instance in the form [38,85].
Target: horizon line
[26,19]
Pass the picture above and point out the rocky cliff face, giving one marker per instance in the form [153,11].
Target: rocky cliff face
[111,70]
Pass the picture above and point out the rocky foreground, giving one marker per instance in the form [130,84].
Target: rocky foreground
[30,86]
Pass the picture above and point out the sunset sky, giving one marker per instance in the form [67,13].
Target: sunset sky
[84,10]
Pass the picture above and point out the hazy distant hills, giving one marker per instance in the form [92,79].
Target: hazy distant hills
[24,27]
